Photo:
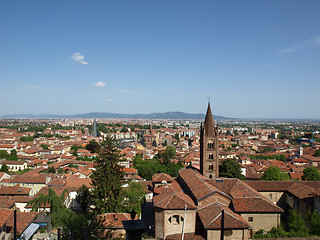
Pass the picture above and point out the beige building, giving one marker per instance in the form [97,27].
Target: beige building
[14,166]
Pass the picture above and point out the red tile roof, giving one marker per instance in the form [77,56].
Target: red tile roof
[5,215]
[174,200]
[114,220]
[197,185]
[211,217]
[14,190]
[159,177]
[24,219]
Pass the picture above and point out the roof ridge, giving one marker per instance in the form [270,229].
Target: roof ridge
[215,218]
[207,184]
[170,196]
[180,197]
[164,196]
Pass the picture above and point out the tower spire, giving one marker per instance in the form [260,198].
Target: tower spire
[209,122]
[209,151]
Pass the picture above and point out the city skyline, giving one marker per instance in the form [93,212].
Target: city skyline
[253,59]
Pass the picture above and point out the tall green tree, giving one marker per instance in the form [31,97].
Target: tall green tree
[133,197]
[84,197]
[93,146]
[85,227]
[168,155]
[311,174]
[52,199]
[107,178]
[4,154]
[295,223]
[317,153]
[13,155]
[51,169]
[313,221]
[4,168]
[230,168]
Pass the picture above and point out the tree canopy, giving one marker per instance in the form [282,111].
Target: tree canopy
[4,168]
[274,174]
[311,174]
[93,146]
[84,197]
[147,168]
[230,168]
[132,197]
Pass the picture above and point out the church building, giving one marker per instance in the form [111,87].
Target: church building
[192,204]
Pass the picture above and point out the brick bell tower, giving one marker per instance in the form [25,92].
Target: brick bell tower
[209,151]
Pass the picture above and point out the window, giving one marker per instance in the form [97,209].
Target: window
[228,232]
[210,167]
[250,219]
[210,145]
[210,156]
[175,219]
[210,176]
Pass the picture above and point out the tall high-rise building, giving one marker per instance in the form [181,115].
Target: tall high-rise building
[94,129]
[209,151]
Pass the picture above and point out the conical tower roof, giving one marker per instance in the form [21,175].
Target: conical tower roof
[209,123]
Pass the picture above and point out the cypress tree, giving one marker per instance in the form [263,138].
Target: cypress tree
[107,178]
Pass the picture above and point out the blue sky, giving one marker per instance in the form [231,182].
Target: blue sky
[255,59]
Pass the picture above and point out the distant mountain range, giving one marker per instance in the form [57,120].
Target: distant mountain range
[166,115]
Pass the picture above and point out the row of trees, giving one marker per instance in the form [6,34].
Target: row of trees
[280,157]
[230,168]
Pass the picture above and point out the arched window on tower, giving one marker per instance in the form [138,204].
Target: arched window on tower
[210,145]
[210,156]
[210,167]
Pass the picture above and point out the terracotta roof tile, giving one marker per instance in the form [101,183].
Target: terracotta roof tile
[5,215]
[14,190]
[197,185]
[174,200]
[159,177]
[261,205]
[24,219]
[114,220]
[211,215]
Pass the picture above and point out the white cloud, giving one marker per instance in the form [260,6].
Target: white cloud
[78,58]
[315,40]
[100,84]
[109,100]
